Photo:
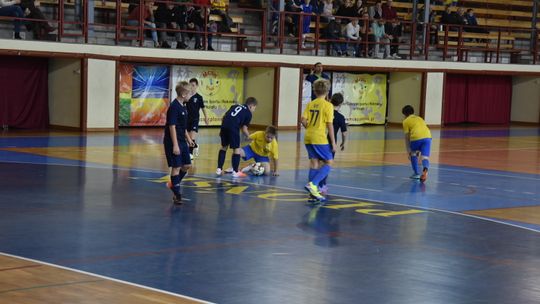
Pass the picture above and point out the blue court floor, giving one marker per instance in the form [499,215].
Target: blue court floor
[470,234]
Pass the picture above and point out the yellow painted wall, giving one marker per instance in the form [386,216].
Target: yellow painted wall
[525,99]
[101,94]
[259,83]
[404,89]
[65,92]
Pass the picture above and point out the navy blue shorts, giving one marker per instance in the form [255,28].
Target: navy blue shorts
[193,126]
[322,152]
[176,161]
[251,154]
[230,138]
[422,145]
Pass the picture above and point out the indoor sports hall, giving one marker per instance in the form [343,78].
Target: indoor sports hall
[87,217]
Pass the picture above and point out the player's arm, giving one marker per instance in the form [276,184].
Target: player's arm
[206,121]
[330,127]
[274,166]
[408,143]
[343,138]
[176,148]
[245,131]
[188,139]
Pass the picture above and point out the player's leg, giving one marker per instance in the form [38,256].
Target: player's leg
[413,157]
[311,187]
[324,153]
[193,136]
[225,142]
[425,150]
[266,166]
[235,159]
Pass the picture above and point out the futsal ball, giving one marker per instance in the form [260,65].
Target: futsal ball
[257,169]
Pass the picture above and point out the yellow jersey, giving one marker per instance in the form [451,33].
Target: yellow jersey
[318,114]
[416,127]
[263,148]
[219,5]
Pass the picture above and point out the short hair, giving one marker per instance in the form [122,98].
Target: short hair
[407,110]
[194,80]
[337,99]
[321,87]
[251,101]
[181,87]
[469,10]
[271,130]
[317,63]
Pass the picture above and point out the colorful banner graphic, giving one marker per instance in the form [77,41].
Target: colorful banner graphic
[220,87]
[365,97]
[144,95]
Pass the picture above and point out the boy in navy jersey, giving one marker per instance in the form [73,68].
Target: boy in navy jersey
[176,139]
[194,106]
[237,118]
[339,124]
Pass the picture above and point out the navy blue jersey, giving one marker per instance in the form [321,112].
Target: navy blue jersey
[236,117]
[339,124]
[176,116]
[194,106]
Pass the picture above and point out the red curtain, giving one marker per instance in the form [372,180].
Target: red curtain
[24,87]
[477,98]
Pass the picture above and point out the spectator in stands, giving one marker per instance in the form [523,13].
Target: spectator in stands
[195,22]
[219,7]
[451,2]
[471,20]
[89,15]
[380,36]
[327,10]
[393,30]
[12,9]
[376,11]
[169,16]
[291,20]
[446,16]
[333,32]
[347,10]
[366,36]
[306,20]
[147,17]
[40,29]
[352,33]
[432,27]
[361,7]
[388,11]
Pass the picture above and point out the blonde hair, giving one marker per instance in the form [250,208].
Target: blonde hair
[321,87]
[181,88]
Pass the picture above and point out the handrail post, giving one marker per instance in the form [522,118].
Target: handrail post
[142,3]
[264,30]
[445,50]
[85,19]
[317,27]
[427,40]
[498,44]
[118,26]
[60,19]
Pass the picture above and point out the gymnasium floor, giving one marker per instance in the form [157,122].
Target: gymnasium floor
[86,218]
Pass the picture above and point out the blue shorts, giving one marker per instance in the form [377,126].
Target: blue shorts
[251,154]
[230,138]
[193,126]
[176,161]
[322,152]
[422,145]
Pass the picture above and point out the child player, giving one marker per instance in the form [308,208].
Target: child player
[263,149]
[235,119]
[417,141]
[194,105]
[317,118]
[176,139]
[340,124]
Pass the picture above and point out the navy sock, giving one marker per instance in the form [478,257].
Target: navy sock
[221,158]
[425,163]
[175,181]
[182,174]
[414,164]
[235,162]
[323,182]
[322,174]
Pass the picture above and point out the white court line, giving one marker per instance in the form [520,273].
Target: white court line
[356,188]
[106,278]
[343,196]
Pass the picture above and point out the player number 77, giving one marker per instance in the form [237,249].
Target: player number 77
[314,117]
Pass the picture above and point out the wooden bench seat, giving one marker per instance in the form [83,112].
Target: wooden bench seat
[490,36]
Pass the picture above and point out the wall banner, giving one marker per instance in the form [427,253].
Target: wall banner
[365,97]
[144,94]
[220,88]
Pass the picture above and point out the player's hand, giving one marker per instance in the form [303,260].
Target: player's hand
[206,121]
[176,150]
[334,149]
[274,173]
[342,146]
